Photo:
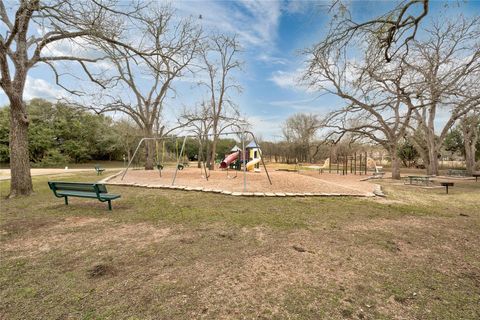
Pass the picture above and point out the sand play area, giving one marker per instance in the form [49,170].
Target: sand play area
[289,183]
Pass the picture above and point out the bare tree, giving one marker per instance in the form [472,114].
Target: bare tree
[299,130]
[470,125]
[32,28]
[220,61]
[200,120]
[393,30]
[176,43]
[446,70]
[373,91]
[441,71]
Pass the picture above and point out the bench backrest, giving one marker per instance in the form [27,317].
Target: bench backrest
[77,186]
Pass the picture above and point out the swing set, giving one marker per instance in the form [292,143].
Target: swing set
[160,163]
[181,163]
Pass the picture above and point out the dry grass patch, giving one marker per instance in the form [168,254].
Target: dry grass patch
[175,255]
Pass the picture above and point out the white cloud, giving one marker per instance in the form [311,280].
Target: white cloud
[256,22]
[269,59]
[298,105]
[39,88]
[266,127]
[284,79]
[290,80]
[295,6]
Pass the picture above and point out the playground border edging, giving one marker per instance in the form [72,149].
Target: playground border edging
[377,192]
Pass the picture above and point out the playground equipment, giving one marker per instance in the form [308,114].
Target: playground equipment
[181,155]
[251,164]
[229,159]
[252,157]
[356,163]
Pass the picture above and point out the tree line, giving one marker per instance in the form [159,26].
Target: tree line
[127,73]
[398,90]
[60,134]
[394,84]
[304,142]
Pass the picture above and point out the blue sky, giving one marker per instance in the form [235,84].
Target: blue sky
[272,35]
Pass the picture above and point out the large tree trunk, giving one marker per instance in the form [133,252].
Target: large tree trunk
[470,158]
[21,180]
[395,163]
[432,166]
[214,150]
[470,135]
[200,155]
[432,153]
[149,149]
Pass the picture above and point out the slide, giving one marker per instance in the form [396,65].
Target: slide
[229,159]
[251,164]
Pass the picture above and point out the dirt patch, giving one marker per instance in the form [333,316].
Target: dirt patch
[100,270]
[83,233]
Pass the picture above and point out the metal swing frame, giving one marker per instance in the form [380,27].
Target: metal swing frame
[243,136]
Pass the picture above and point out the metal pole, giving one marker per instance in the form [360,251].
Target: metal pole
[178,160]
[261,158]
[244,164]
[133,157]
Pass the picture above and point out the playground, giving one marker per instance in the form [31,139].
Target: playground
[233,181]
[243,172]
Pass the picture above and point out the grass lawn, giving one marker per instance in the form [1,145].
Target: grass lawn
[164,254]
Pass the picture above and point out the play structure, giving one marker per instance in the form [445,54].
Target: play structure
[358,163]
[250,162]
[236,158]
[245,160]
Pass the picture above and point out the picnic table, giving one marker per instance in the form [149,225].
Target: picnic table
[457,172]
[447,184]
[417,180]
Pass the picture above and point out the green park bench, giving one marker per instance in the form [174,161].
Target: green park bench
[99,169]
[82,190]
[418,180]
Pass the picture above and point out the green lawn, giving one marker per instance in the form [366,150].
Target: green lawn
[165,254]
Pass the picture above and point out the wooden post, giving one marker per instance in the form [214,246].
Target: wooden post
[360,165]
[355,163]
[366,163]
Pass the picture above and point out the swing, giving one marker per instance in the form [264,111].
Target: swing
[159,164]
[203,167]
[234,166]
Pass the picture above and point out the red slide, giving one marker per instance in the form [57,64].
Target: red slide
[229,159]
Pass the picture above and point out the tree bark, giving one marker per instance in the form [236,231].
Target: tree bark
[149,149]
[395,165]
[432,166]
[470,129]
[21,180]
[470,158]
[214,146]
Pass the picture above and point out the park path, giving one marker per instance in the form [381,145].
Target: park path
[5,173]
